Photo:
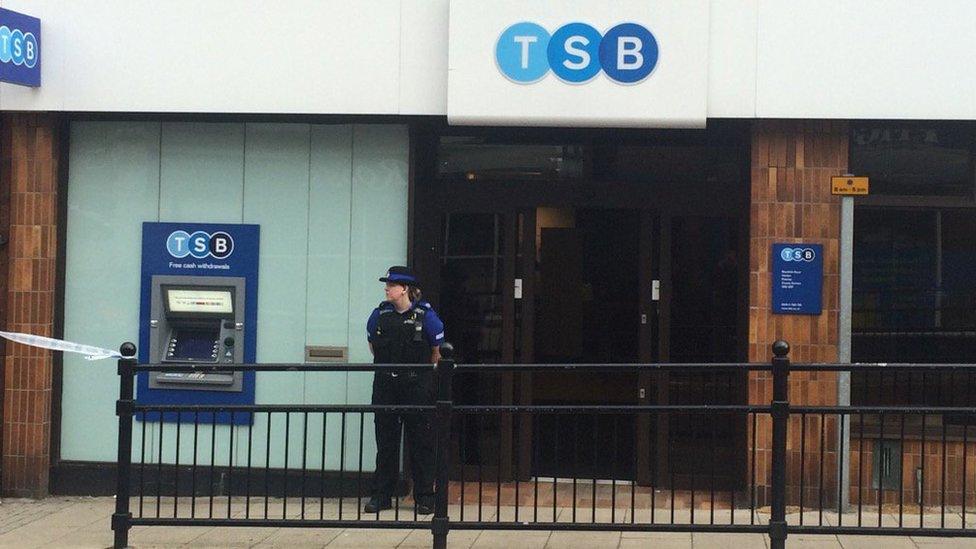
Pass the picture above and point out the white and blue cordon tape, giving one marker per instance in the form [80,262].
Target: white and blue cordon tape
[90,352]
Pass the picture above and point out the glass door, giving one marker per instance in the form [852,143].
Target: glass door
[480,303]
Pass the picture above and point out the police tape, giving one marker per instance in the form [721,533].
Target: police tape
[90,352]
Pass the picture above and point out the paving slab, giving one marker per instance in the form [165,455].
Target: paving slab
[876,542]
[233,537]
[672,542]
[299,537]
[501,539]
[375,538]
[583,540]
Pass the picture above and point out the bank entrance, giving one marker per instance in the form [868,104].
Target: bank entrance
[582,248]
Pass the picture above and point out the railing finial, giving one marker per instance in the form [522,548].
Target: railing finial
[781,348]
[447,350]
[128,349]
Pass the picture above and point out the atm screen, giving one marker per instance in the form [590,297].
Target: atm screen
[185,300]
[194,344]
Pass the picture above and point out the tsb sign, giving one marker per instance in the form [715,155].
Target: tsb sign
[20,48]
[180,244]
[576,52]
[798,254]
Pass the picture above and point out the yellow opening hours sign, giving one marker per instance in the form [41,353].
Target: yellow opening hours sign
[849,185]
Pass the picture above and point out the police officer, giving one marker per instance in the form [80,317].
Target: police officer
[403,330]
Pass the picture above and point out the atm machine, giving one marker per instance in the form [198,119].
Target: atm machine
[200,321]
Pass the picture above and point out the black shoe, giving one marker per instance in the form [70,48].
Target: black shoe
[425,505]
[377,504]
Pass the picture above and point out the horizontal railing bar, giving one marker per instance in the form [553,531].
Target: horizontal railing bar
[882,531]
[261,408]
[278,523]
[628,367]
[727,408]
[281,367]
[455,525]
[850,410]
[611,527]
[607,526]
[609,409]
[878,366]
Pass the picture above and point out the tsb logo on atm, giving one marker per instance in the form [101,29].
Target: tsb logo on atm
[576,53]
[200,245]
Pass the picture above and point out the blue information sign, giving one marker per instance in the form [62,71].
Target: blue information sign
[20,49]
[797,279]
[200,249]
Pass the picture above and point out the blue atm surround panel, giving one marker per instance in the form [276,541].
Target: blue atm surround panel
[199,250]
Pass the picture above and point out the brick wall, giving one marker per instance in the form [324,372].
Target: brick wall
[29,153]
[792,162]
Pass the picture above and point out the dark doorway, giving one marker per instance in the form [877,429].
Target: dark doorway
[587,312]
[586,306]
[572,247]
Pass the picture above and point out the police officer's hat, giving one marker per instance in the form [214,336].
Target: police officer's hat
[401,275]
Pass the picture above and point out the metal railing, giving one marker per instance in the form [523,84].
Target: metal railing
[771,467]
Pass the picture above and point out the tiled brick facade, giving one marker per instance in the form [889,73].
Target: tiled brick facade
[792,162]
[29,153]
[949,455]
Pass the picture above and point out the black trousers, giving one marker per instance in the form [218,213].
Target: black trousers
[403,389]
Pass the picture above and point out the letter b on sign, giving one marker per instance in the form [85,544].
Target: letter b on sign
[628,53]
[221,245]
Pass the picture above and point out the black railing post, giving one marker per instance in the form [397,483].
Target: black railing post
[781,416]
[123,408]
[444,374]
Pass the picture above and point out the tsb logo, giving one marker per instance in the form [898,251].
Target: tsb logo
[576,52]
[797,254]
[180,244]
[18,47]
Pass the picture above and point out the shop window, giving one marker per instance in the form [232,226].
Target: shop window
[914,160]
[914,302]
[895,271]
[914,293]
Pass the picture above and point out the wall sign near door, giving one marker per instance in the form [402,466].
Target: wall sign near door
[797,279]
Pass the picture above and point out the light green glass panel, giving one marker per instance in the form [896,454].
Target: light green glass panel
[379,226]
[202,172]
[379,239]
[276,179]
[113,186]
[201,181]
[330,194]
[327,307]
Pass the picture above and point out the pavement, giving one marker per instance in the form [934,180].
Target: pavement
[85,522]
